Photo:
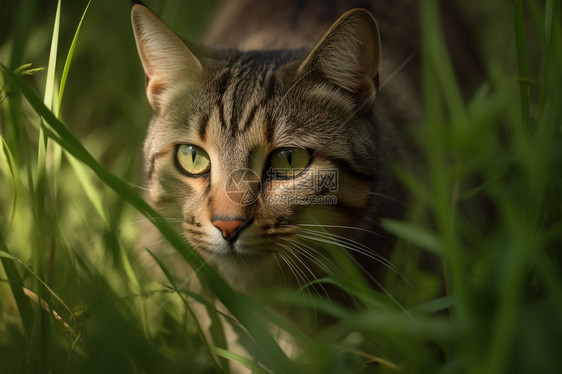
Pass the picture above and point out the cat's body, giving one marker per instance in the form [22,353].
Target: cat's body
[282,90]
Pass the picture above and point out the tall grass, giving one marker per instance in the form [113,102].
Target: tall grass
[73,293]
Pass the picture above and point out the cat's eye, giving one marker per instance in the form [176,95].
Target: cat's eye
[192,160]
[289,162]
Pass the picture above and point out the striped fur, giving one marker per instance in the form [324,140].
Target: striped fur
[239,106]
[297,88]
[287,73]
[264,89]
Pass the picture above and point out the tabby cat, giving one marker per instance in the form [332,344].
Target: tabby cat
[278,139]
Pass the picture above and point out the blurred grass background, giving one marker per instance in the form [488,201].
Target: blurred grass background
[67,238]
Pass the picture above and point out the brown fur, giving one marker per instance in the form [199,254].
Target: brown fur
[284,74]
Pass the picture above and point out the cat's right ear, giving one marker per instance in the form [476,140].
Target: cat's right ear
[348,55]
[169,65]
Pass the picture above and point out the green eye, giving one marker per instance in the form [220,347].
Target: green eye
[289,162]
[192,160]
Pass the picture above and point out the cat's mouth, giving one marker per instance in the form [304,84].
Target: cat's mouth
[236,252]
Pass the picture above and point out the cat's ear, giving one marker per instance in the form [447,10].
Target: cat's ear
[348,55]
[168,63]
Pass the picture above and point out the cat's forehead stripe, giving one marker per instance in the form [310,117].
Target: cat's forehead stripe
[203,124]
[249,119]
[222,82]
[241,92]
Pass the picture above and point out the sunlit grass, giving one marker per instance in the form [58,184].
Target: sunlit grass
[74,296]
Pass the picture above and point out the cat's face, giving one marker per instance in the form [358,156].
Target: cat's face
[254,150]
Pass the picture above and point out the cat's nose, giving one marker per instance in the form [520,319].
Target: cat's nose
[229,228]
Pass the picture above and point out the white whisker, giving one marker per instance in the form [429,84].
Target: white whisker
[362,268]
[289,90]
[339,227]
[329,238]
[292,268]
[313,254]
[391,76]
[311,257]
[389,198]
[137,186]
[374,280]
[143,220]
[280,268]
[302,279]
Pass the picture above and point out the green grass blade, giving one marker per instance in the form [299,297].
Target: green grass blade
[244,361]
[36,351]
[78,169]
[435,52]
[50,95]
[233,301]
[50,86]
[439,129]
[68,61]
[25,16]
[14,174]
[419,326]
[418,235]
[434,306]
[40,182]
[5,254]
[217,336]
[521,47]
[89,188]
[16,285]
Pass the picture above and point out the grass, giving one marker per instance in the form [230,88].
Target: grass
[74,298]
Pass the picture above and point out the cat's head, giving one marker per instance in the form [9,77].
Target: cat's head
[256,150]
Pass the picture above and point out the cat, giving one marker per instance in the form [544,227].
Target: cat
[292,119]
[279,137]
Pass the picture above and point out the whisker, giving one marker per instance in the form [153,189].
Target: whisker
[137,186]
[154,243]
[306,281]
[289,90]
[338,227]
[301,276]
[307,267]
[395,72]
[291,267]
[280,268]
[346,243]
[177,287]
[359,248]
[360,106]
[364,271]
[389,198]
[354,246]
[143,220]
[312,255]
[175,81]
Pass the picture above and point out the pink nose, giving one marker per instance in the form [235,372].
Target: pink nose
[229,228]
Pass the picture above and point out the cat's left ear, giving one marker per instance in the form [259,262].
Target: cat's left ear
[348,55]
[169,65]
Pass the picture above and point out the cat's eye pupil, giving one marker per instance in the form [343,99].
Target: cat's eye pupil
[289,162]
[192,160]
[289,156]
